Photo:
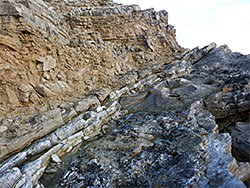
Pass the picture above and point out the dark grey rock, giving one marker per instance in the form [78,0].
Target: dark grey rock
[221,78]
[144,150]
[241,142]
[155,150]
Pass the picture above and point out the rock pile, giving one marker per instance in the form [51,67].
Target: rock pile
[99,94]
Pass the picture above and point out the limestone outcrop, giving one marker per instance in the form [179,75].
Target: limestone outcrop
[51,50]
[99,94]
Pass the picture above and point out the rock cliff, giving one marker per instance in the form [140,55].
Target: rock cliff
[99,94]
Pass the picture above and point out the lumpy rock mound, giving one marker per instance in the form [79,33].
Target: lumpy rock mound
[99,94]
[149,150]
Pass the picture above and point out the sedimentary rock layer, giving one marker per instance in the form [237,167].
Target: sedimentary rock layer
[99,94]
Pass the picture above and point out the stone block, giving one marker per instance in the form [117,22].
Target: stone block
[46,63]
[12,97]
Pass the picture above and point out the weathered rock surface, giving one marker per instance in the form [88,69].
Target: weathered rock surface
[186,82]
[46,63]
[99,94]
[152,150]
[62,48]
[243,171]
[241,142]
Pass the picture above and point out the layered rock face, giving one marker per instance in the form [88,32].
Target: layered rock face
[99,94]
[53,49]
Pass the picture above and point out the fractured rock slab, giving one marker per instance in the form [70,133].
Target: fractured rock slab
[47,63]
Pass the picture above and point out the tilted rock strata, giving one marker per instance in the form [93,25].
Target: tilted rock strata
[219,164]
[208,79]
[89,124]
[160,150]
[50,51]
[45,61]
[126,60]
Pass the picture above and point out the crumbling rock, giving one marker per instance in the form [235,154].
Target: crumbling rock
[102,95]
[200,138]
[146,149]
[46,45]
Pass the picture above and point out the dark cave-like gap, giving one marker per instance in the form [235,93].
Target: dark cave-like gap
[227,125]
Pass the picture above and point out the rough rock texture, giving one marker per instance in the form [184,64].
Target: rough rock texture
[48,58]
[53,48]
[219,78]
[99,94]
[241,141]
[147,150]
